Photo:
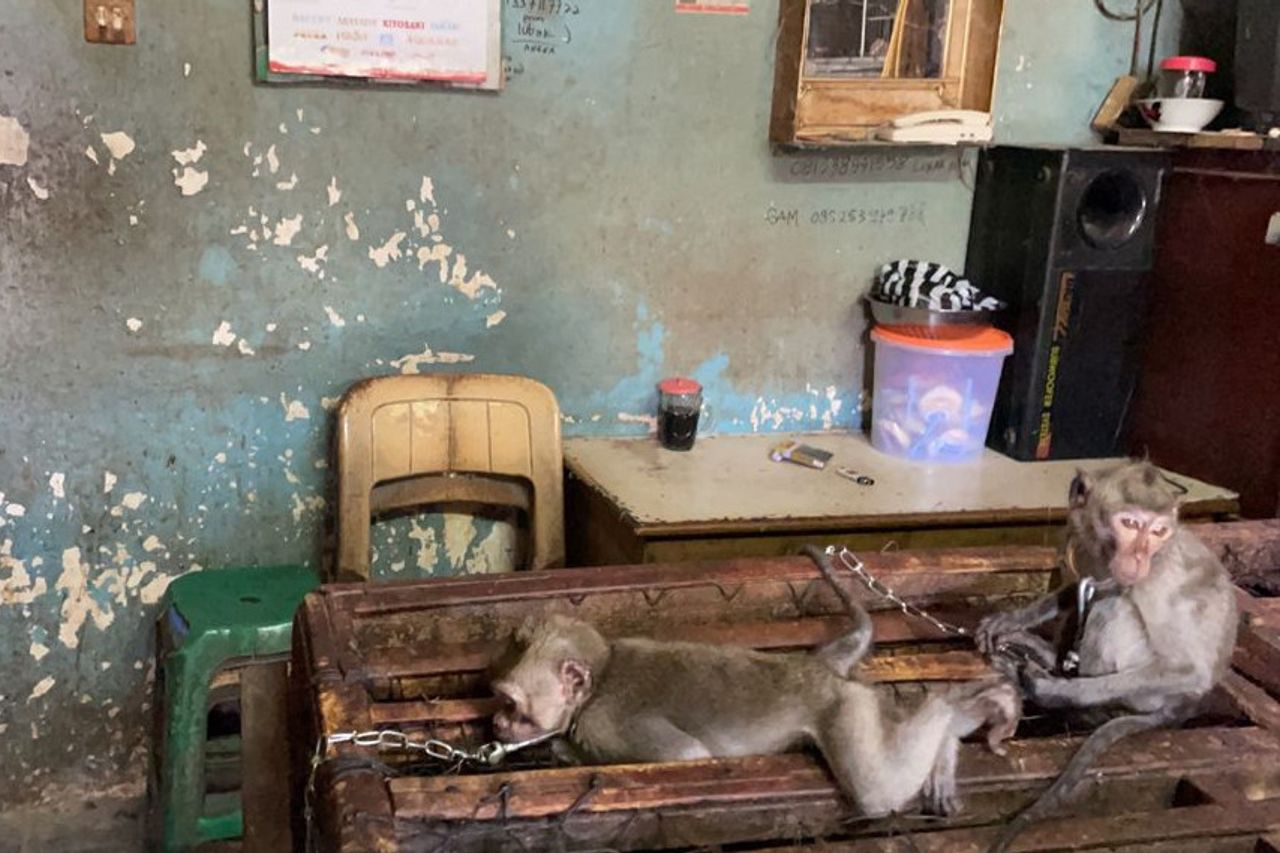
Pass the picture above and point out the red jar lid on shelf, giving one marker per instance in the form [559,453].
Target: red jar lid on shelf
[679,385]
[1189,63]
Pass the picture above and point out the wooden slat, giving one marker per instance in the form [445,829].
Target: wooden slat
[937,666]
[433,711]
[1264,612]
[1192,828]
[1030,764]
[265,751]
[934,666]
[1252,701]
[658,612]
[414,661]
[1257,652]
[1203,139]
[1250,550]
[920,570]
[1227,788]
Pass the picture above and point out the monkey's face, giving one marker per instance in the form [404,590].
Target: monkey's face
[538,697]
[1139,535]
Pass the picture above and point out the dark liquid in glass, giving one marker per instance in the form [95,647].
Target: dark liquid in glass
[677,428]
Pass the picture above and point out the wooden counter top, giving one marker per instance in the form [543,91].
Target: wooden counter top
[729,484]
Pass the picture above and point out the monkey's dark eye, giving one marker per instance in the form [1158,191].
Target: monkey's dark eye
[1160,531]
[1129,522]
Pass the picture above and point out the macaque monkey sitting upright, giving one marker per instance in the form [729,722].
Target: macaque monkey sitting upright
[1157,636]
[635,700]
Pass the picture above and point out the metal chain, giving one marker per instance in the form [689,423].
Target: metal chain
[490,754]
[851,562]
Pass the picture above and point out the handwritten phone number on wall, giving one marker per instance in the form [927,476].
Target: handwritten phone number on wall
[545,7]
[880,164]
[907,214]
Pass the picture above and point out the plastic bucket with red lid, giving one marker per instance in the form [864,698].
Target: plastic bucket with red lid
[932,397]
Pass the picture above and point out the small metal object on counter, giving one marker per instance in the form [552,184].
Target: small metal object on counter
[850,474]
[800,454]
[679,404]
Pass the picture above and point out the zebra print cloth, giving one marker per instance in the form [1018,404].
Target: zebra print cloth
[922,284]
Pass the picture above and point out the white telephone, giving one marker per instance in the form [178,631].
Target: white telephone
[943,127]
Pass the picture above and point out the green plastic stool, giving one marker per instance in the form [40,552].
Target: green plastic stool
[210,619]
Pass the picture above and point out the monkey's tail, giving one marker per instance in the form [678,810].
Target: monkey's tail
[845,652]
[1063,789]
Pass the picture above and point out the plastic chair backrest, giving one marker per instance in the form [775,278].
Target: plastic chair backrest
[407,441]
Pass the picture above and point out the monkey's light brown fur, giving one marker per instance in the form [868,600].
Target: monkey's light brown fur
[646,700]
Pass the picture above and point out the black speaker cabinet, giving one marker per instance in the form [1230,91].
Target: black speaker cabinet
[1066,238]
[1258,57]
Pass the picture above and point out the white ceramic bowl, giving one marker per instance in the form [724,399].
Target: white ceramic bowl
[1179,115]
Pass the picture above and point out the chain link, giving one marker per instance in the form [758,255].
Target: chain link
[490,754]
[851,562]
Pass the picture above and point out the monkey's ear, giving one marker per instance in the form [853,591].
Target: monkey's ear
[1081,485]
[575,676]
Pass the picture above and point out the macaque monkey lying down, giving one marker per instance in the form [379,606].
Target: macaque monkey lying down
[637,700]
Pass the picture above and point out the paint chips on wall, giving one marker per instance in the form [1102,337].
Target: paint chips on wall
[454,41]
[723,7]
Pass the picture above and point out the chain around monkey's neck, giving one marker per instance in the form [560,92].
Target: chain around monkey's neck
[1078,562]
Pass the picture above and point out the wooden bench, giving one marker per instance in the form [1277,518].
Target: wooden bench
[411,657]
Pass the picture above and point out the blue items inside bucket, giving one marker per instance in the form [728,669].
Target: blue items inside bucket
[938,441]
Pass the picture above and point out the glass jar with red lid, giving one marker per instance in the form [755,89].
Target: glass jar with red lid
[679,404]
[1184,76]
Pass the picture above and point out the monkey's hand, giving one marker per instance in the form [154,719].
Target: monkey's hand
[992,628]
[1006,665]
[1043,688]
[1004,711]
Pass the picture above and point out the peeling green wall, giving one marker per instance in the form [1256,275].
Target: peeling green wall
[169,360]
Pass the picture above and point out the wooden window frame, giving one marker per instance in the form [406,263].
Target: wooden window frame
[815,110]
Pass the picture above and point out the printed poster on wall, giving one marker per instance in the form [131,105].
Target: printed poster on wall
[453,41]
[723,7]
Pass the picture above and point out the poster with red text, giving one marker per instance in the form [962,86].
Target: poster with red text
[454,41]
[720,7]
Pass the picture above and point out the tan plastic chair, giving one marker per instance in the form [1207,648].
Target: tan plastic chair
[407,441]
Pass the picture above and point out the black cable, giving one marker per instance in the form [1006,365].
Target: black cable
[1114,16]
[1155,31]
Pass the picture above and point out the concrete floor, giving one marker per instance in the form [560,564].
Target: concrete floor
[102,825]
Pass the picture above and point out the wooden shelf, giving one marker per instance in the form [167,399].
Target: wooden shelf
[844,142]
[1204,139]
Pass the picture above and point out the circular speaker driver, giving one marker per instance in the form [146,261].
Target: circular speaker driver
[1112,209]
